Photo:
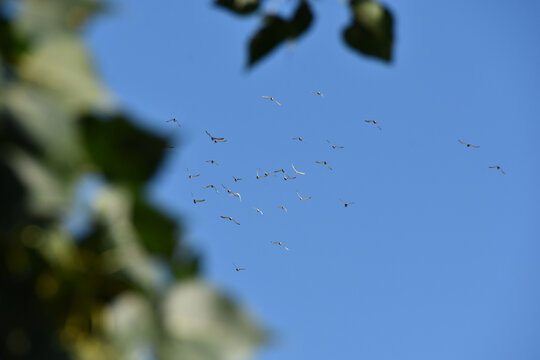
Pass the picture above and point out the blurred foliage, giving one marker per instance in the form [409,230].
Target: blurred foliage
[128,288]
[276,30]
[240,7]
[371,31]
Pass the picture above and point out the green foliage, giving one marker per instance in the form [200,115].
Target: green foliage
[129,283]
[11,45]
[301,20]
[157,232]
[112,291]
[371,31]
[124,153]
[273,33]
[240,7]
[276,30]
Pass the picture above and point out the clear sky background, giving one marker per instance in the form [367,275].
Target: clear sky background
[439,256]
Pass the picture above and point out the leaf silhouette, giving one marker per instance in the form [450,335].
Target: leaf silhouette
[371,31]
[301,20]
[112,141]
[276,30]
[240,7]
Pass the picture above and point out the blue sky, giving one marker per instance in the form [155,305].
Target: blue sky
[438,257]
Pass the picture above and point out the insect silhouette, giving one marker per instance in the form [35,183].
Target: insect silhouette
[267,173]
[468,145]
[303,198]
[192,176]
[497,167]
[238,268]
[334,146]
[296,171]
[324,163]
[271,99]
[174,121]
[236,195]
[374,123]
[232,193]
[195,201]
[211,187]
[280,244]
[231,219]
[215,139]
[260,177]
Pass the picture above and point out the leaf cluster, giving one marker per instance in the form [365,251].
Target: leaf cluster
[109,288]
[370,32]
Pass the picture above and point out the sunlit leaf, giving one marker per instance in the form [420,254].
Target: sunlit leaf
[62,66]
[371,30]
[207,325]
[99,295]
[39,19]
[112,207]
[46,122]
[47,195]
[57,83]
[129,323]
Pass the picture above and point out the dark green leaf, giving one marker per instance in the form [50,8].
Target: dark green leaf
[156,231]
[301,20]
[12,45]
[372,28]
[122,152]
[274,31]
[186,263]
[94,273]
[13,195]
[240,7]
